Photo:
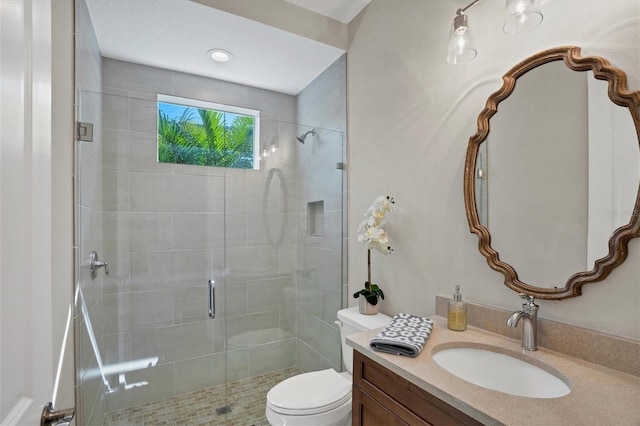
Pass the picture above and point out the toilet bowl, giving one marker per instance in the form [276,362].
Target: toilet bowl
[321,398]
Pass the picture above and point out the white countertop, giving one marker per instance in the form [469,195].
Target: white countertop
[599,396]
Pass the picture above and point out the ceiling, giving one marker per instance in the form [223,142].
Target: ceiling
[340,10]
[176,35]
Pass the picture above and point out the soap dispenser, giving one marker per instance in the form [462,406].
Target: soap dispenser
[457,318]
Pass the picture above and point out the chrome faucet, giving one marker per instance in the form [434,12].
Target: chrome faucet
[529,316]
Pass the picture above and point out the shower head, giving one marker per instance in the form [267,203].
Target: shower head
[301,138]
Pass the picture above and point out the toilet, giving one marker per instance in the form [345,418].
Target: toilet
[321,398]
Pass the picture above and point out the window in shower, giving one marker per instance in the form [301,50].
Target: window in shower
[207,134]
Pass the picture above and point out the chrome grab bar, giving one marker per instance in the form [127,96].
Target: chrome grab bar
[212,299]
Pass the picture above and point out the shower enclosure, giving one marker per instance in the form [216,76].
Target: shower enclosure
[270,242]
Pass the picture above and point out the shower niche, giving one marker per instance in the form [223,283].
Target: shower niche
[315,218]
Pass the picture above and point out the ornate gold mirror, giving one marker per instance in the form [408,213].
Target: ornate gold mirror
[552,183]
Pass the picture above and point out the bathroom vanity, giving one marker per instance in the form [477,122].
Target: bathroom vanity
[396,390]
[382,397]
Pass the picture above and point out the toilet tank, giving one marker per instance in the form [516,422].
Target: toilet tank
[351,321]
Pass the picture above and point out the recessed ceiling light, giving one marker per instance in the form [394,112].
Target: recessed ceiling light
[220,55]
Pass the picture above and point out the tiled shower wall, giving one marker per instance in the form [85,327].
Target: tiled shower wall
[320,277]
[165,229]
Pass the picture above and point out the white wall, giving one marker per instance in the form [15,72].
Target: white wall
[410,117]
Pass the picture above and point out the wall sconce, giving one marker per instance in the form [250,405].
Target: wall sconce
[521,15]
[461,47]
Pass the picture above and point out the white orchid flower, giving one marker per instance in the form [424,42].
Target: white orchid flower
[370,231]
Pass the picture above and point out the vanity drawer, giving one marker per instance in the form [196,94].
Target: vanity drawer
[368,411]
[405,401]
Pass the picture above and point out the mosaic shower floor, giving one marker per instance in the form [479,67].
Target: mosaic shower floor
[246,399]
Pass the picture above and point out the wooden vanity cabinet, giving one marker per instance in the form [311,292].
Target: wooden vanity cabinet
[381,397]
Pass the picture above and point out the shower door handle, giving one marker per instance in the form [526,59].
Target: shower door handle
[212,299]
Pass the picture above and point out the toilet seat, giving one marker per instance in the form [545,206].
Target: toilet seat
[310,393]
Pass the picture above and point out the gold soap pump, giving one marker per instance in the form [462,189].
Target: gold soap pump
[457,317]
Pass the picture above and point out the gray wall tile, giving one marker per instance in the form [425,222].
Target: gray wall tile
[115,190]
[115,112]
[271,357]
[115,149]
[199,230]
[170,269]
[119,278]
[323,338]
[176,193]
[150,231]
[90,181]
[268,294]
[173,343]
[143,115]
[207,89]
[142,310]
[310,360]
[237,364]
[253,329]
[135,77]
[144,153]
[200,373]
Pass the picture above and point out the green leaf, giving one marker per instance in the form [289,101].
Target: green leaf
[214,142]
[372,298]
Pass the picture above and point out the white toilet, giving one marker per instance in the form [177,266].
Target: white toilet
[321,398]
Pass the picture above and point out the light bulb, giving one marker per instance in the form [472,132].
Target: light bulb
[461,48]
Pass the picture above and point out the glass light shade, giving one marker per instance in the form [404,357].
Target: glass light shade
[521,15]
[461,47]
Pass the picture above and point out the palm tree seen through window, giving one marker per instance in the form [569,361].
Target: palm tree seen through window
[192,134]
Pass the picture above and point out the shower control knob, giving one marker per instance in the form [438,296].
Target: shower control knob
[95,264]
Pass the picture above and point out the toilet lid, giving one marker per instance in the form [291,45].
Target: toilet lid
[310,393]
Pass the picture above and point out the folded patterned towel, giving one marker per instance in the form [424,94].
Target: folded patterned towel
[406,335]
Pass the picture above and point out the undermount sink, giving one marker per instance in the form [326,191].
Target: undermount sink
[500,372]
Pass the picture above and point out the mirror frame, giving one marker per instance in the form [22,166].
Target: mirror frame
[619,240]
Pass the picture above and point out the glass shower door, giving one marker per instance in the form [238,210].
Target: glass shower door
[144,331]
[283,264]
[271,240]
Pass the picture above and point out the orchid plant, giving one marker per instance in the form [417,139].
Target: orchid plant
[370,233]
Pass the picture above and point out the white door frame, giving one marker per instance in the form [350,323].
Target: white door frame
[36,207]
